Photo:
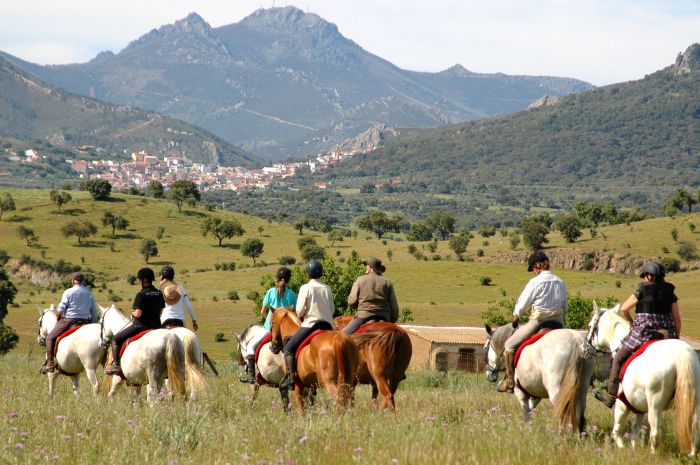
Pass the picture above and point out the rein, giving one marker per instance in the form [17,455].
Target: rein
[104,343]
[41,340]
[489,367]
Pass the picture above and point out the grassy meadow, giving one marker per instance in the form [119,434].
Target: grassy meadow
[453,419]
[437,292]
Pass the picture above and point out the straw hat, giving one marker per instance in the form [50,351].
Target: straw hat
[171,294]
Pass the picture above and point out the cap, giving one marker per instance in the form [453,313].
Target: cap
[536,257]
[375,264]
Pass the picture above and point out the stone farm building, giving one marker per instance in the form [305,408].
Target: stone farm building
[444,348]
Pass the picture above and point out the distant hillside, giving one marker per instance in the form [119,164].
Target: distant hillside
[282,83]
[32,110]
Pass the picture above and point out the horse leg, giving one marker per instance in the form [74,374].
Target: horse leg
[374,403]
[653,415]
[153,388]
[311,395]
[52,382]
[255,388]
[284,394]
[137,394]
[635,426]
[524,403]
[621,412]
[116,382]
[385,391]
[75,380]
[94,382]
[299,396]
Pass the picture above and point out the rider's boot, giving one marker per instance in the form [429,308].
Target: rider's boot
[508,383]
[249,375]
[288,380]
[49,365]
[114,368]
[608,397]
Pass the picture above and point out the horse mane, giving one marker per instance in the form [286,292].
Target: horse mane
[292,315]
[615,320]
[499,336]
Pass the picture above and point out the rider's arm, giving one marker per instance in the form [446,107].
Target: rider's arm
[524,301]
[188,305]
[137,313]
[302,308]
[93,310]
[393,304]
[676,314]
[354,297]
[627,306]
[63,305]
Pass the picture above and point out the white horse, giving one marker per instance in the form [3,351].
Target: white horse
[148,360]
[665,375]
[270,365]
[558,366]
[78,352]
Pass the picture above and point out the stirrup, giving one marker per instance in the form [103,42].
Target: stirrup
[503,386]
[113,369]
[287,381]
[246,378]
[605,398]
[48,367]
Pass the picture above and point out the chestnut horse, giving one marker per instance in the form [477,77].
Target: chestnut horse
[330,360]
[385,351]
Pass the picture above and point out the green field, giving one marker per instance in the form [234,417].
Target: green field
[453,419]
[437,292]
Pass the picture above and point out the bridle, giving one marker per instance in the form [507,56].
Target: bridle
[487,348]
[592,331]
[104,343]
[41,340]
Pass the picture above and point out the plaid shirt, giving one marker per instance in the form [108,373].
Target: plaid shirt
[642,327]
[545,292]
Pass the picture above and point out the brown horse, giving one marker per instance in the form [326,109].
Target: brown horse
[330,360]
[385,352]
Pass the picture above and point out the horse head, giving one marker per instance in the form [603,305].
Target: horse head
[47,320]
[284,322]
[602,327]
[494,348]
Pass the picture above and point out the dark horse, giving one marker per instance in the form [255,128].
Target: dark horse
[330,360]
[385,352]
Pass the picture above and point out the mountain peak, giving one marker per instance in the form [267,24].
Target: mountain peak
[193,23]
[290,19]
[689,61]
[457,70]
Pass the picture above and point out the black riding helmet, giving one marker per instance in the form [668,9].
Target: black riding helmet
[314,269]
[146,273]
[167,272]
[284,273]
[652,268]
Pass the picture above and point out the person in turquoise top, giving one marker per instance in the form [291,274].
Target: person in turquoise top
[275,297]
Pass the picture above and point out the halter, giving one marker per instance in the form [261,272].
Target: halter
[489,367]
[104,343]
[592,331]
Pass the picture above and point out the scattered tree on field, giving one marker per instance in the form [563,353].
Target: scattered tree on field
[60,198]
[7,203]
[681,198]
[459,245]
[312,252]
[252,248]
[27,234]
[301,223]
[155,188]
[379,223]
[335,235]
[148,249]
[443,223]
[569,226]
[420,232]
[80,229]
[99,189]
[534,231]
[221,229]
[184,191]
[115,221]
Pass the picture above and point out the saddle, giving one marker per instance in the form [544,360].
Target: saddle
[132,339]
[63,335]
[308,339]
[264,341]
[529,341]
[366,325]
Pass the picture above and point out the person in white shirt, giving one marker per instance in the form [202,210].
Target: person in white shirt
[315,307]
[546,296]
[176,301]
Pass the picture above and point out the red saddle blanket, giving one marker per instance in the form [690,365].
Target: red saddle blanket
[636,354]
[132,339]
[264,341]
[531,340]
[65,334]
[364,327]
[308,339]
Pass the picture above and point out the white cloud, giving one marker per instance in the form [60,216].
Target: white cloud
[596,40]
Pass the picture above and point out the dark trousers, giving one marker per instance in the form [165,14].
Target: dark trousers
[356,322]
[173,322]
[63,325]
[302,333]
[618,361]
[131,329]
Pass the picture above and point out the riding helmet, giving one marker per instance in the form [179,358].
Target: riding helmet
[652,268]
[167,272]
[146,273]
[314,269]
[284,273]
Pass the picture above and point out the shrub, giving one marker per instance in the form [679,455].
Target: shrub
[485,281]
[287,260]
[674,234]
[618,284]
[115,298]
[436,257]
[232,295]
[405,315]
[670,264]
[412,248]
[687,250]
[587,263]
[219,337]
[252,295]
[480,252]
[131,279]
[8,339]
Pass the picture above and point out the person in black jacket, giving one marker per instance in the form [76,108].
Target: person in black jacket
[147,306]
[657,316]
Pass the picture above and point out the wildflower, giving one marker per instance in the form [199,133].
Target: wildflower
[357,450]
[61,417]
[598,450]
[262,462]
[278,451]
[303,439]
[79,434]
[493,409]
[594,428]
[477,410]
[430,418]
[584,434]
[394,461]
[275,404]
[13,415]
[19,445]
[626,435]
[173,462]
[291,462]
[23,434]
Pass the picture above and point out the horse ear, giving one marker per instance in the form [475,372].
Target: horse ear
[595,306]
[615,309]
[489,330]
[52,308]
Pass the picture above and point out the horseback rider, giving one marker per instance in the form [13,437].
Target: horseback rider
[373,296]
[176,300]
[315,307]
[77,307]
[546,296]
[278,296]
[147,307]
[657,312]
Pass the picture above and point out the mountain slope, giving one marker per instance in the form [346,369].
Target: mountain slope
[282,82]
[33,110]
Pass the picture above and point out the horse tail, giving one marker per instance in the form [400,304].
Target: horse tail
[392,349]
[106,383]
[175,361]
[347,358]
[685,399]
[194,374]
[568,398]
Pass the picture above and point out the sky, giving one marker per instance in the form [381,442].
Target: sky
[599,41]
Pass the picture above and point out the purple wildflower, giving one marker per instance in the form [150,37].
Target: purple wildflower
[19,445]
[23,434]
[394,461]
[598,450]
[13,415]
[357,450]
[493,409]
[61,417]
[303,439]
[291,462]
